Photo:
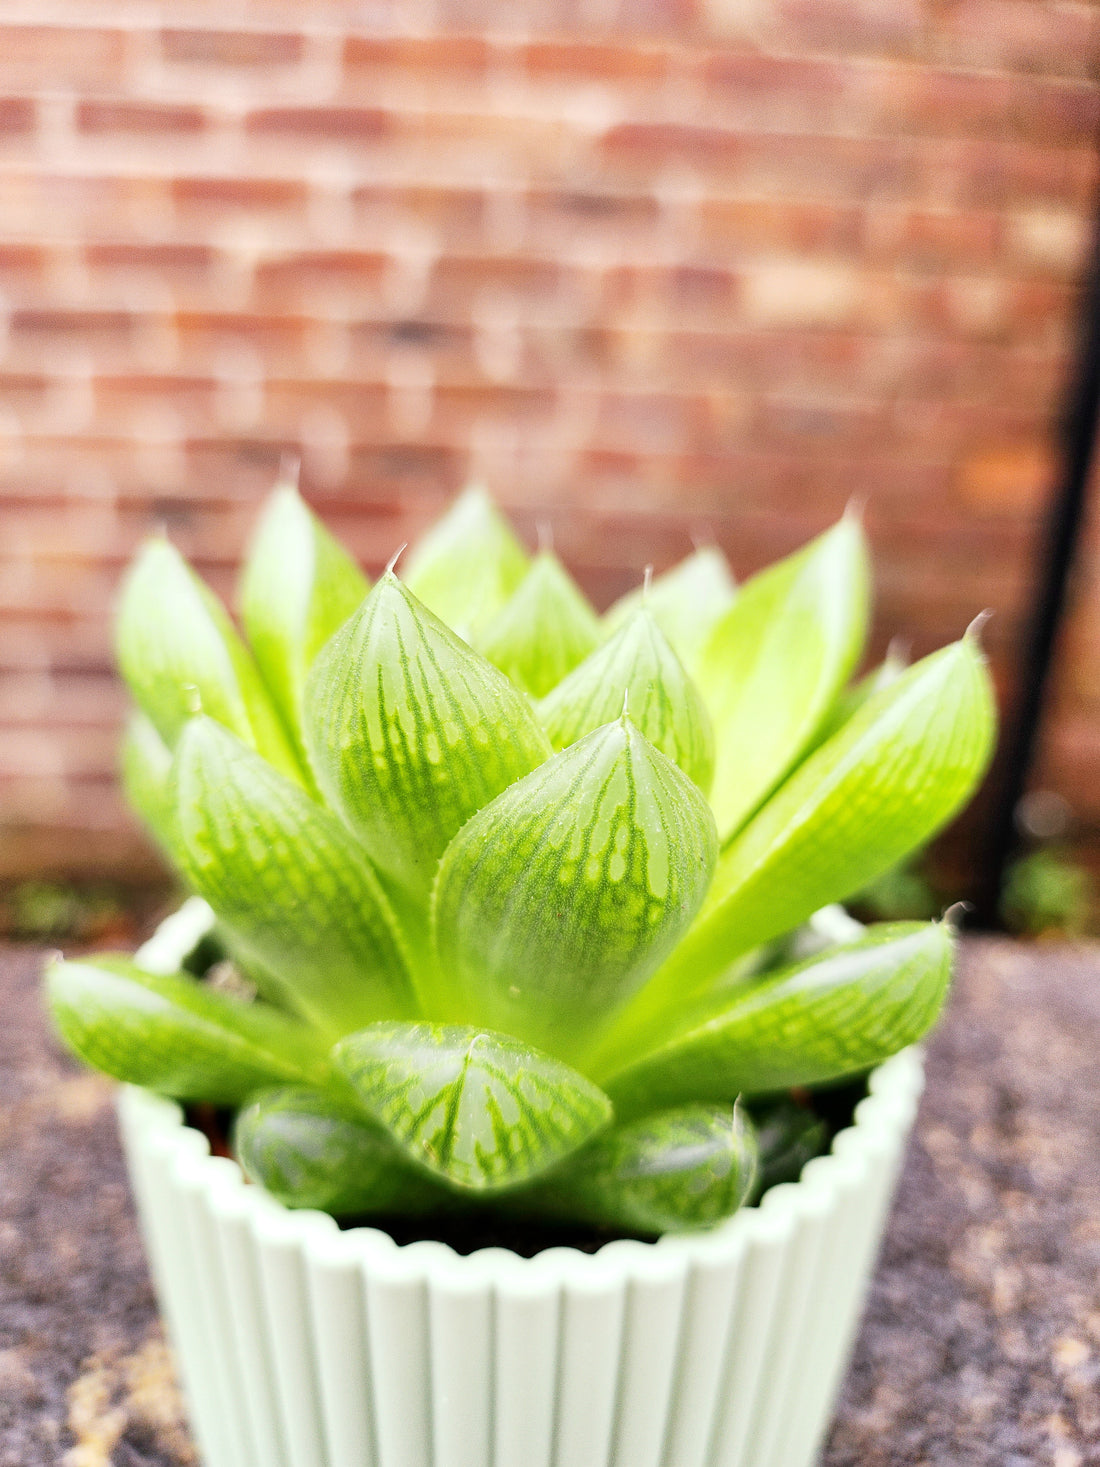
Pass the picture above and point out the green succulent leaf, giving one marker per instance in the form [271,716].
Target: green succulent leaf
[882,786]
[835,1014]
[410,731]
[309,1150]
[636,665]
[146,778]
[483,1111]
[468,564]
[544,630]
[789,1135]
[688,1167]
[852,699]
[774,664]
[687,602]
[179,652]
[172,1034]
[556,901]
[289,882]
[298,587]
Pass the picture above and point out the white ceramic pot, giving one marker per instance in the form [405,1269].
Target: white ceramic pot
[303,1346]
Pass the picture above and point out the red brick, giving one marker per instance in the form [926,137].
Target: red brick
[205,337]
[455,212]
[656,144]
[374,344]
[329,124]
[59,206]
[1054,39]
[95,699]
[647,18]
[1006,480]
[231,48]
[217,196]
[761,92]
[108,853]
[362,405]
[172,257]
[997,106]
[24,392]
[86,328]
[781,225]
[458,408]
[17,116]
[440,55]
[48,57]
[296,282]
[125,399]
[458,279]
[925,239]
[996,175]
[138,117]
[606,212]
[572,61]
[855,27]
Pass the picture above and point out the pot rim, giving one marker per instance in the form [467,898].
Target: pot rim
[155,1130]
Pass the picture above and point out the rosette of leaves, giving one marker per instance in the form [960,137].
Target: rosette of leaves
[517,889]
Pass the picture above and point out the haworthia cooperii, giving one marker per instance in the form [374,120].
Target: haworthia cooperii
[637,667]
[835,1014]
[410,731]
[289,882]
[544,630]
[556,901]
[298,586]
[775,662]
[468,564]
[172,1034]
[687,1167]
[309,1149]
[180,654]
[879,788]
[483,1111]
[686,601]
[146,762]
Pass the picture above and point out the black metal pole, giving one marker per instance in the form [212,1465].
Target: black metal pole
[1055,567]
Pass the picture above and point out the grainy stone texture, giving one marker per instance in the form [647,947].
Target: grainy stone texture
[981,1346]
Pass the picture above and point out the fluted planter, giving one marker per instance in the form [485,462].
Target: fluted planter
[301,1345]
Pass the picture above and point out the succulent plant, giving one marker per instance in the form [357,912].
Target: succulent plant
[519,893]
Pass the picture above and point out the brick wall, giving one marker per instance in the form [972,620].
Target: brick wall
[652,267]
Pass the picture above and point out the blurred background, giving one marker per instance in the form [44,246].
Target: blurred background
[654,270]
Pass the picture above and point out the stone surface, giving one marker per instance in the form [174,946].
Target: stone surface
[981,1345]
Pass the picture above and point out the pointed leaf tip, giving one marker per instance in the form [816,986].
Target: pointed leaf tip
[482,1111]
[880,787]
[174,638]
[834,1014]
[686,601]
[411,731]
[468,564]
[974,631]
[544,630]
[775,663]
[635,670]
[683,1168]
[297,587]
[956,915]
